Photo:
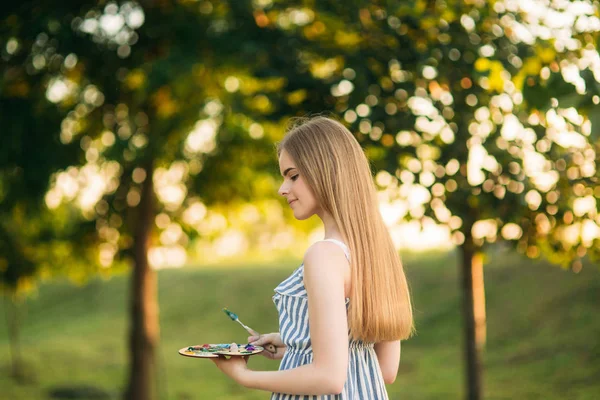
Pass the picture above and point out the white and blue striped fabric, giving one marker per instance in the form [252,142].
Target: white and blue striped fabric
[364,381]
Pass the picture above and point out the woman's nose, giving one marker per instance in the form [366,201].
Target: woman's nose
[283,190]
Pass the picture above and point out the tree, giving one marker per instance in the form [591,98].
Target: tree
[33,241]
[140,92]
[435,90]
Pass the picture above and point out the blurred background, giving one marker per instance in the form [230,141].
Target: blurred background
[138,186]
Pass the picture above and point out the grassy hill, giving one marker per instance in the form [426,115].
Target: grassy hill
[543,332]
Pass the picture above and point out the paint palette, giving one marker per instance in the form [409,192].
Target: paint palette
[224,349]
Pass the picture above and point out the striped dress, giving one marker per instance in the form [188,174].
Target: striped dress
[364,380]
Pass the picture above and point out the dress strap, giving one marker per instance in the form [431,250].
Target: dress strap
[342,245]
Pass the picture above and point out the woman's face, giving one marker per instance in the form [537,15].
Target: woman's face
[294,188]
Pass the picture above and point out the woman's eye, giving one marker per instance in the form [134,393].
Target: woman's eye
[294,177]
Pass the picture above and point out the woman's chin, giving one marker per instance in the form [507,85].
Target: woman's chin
[302,216]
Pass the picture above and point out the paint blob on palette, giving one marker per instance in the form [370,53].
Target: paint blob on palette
[214,350]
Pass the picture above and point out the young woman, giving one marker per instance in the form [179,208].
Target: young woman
[343,312]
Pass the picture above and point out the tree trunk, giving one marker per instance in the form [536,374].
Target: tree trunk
[144,328]
[14,326]
[474,317]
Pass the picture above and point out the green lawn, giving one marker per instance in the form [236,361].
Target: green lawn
[543,332]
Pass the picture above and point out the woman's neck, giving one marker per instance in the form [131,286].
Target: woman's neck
[330,226]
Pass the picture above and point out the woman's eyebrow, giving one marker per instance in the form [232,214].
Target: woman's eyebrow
[287,170]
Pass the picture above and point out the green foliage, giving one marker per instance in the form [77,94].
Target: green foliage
[429,83]
[440,85]
[30,153]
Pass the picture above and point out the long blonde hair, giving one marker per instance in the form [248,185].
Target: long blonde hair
[335,167]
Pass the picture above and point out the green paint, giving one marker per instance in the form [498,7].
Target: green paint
[230,314]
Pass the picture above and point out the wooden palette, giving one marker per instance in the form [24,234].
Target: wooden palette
[214,350]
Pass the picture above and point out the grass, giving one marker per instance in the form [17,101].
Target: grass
[543,338]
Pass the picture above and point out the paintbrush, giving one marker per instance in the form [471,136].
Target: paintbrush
[271,348]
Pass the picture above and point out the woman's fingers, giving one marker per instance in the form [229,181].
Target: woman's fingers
[216,360]
[270,341]
[260,340]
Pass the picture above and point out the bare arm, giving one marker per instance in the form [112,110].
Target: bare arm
[324,280]
[388,355]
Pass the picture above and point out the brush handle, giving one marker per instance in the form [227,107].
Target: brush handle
[247,328]
[270,348]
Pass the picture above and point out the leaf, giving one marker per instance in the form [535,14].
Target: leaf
[591,84]
[565,92]
[570,100]
[594,116]
[558,87]
[537,96]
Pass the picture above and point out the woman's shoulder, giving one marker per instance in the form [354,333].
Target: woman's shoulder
[325,252]
[327,249]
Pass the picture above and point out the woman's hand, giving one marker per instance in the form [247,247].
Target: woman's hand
[235,367]
[269,338]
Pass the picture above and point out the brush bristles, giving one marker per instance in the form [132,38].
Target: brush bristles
[230,314]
